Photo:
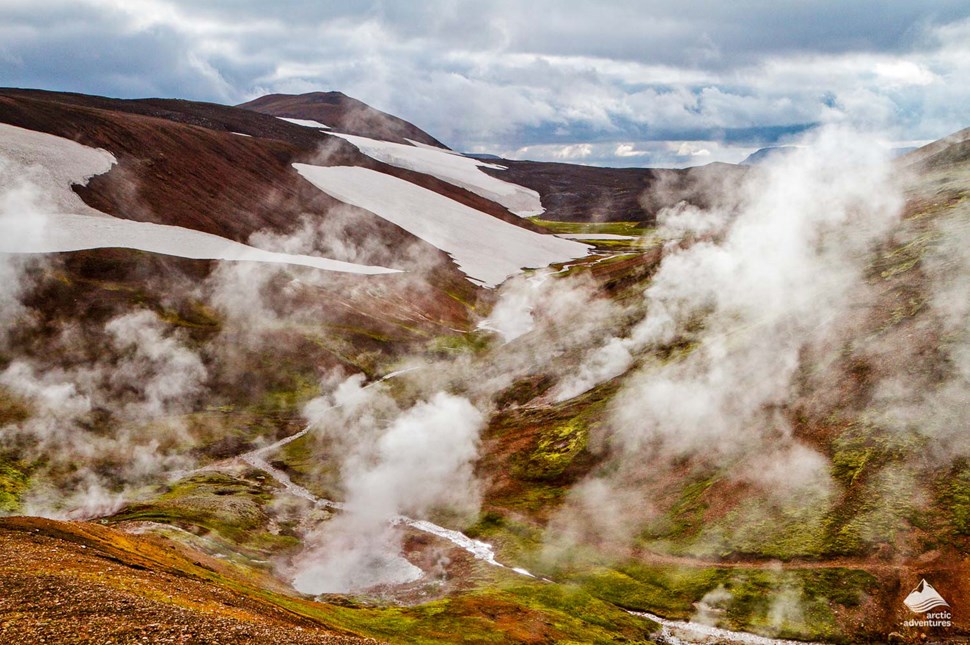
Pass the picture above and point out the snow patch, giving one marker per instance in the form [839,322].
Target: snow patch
[63,222]
[485,248]
[453,168]
[69,232]
[306,123]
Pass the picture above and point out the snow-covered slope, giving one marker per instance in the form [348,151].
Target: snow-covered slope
[70,232]
[39,213]
[485,248]
[306,123]
[453,168]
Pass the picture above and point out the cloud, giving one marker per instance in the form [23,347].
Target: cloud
[515,74]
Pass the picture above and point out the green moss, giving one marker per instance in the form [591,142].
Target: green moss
[593,228]
[226,505]
[795,529]
[14,481]
[192,314]
[516,613]
[882,509]
[290,396]
[472,342]
[556,449]
[953,496]
[780,603]
[685,517]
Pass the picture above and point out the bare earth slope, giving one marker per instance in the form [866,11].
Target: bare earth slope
[574,193]
[66,582]
[341,112]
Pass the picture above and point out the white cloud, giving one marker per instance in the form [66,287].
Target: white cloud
[521,75]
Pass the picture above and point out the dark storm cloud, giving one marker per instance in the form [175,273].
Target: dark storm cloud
[527,78]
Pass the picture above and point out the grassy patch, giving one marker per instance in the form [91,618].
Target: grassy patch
[14,481]
[953,495]
[592,228]
[784,604]
[558,446]
[233,508]
[471,342]
[521,613]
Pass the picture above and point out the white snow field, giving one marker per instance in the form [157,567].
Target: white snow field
[452,167]
[306,123]
[39,213]
[485,248]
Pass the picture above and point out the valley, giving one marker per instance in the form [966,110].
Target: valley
[343,384]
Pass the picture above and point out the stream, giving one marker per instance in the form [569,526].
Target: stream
[680,632]
[476,548]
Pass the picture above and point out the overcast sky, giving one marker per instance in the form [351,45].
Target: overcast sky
[621,83]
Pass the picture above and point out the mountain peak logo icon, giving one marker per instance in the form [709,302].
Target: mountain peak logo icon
[924,598]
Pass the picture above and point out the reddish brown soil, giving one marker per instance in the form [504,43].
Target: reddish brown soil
[342,113]
[180,163]
[573,193]
[72,582]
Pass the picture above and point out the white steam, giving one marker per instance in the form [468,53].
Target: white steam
[98,430]
[393,462]
[735,311]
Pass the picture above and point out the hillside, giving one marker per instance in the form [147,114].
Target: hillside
[343,113]
[280,382]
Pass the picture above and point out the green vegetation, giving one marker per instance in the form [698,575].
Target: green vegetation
[14,475]
[473,342]
[231,507]
[953,496]
[786,604]
[14,481]
[557,448]
[192,314]
[595,228]
[523,613]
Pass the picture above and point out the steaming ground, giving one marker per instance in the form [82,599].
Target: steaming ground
[611,418]
[760,288]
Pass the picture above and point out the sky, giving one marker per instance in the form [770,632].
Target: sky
[620,83]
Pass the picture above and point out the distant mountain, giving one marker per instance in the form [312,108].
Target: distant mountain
[576,193]
[341,112]
[767,154]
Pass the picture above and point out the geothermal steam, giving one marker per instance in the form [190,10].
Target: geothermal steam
[393,462]
[734,311]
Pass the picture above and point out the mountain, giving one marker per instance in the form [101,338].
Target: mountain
[339,111]
[767,154]
[575,193]
[305,380]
